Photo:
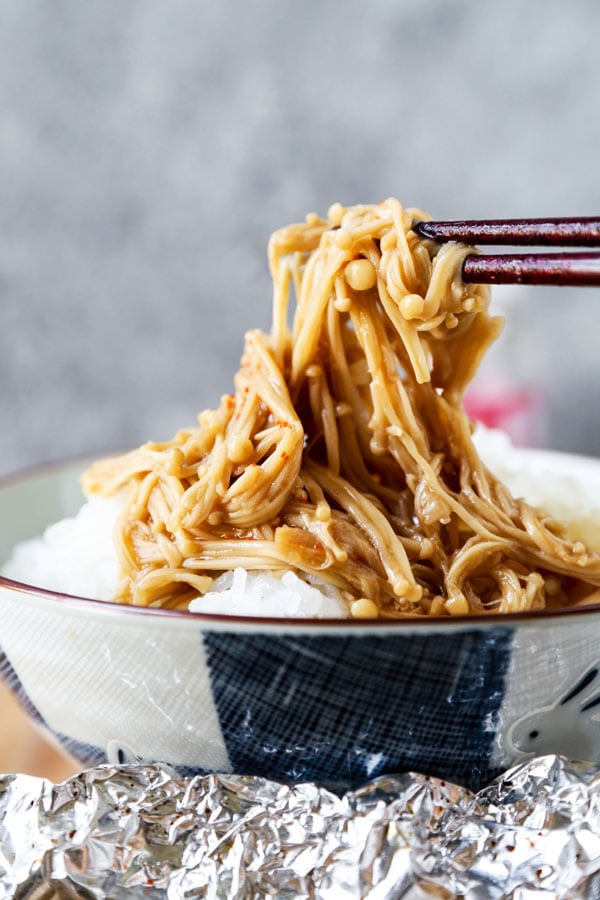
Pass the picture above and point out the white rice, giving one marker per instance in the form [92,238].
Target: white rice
[77,555]
[74,556]
[241,593]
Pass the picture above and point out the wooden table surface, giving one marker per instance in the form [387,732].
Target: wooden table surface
[24,749]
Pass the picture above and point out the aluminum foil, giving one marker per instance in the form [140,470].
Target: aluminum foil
[142,831]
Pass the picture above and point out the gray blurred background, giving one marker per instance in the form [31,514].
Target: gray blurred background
[148,149]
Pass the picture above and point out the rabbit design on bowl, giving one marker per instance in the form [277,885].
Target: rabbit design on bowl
[570,726]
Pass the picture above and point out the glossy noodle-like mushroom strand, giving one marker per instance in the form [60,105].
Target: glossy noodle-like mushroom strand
[344,452]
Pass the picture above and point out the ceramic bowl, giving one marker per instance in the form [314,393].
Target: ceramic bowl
[331,701]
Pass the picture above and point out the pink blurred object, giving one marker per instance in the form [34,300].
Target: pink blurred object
[519,411]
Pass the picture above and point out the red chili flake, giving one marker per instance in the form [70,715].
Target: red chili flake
[285,455]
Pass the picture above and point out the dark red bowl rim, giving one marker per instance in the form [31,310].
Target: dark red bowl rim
[477,619]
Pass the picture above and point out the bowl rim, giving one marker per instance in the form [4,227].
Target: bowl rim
[285,623]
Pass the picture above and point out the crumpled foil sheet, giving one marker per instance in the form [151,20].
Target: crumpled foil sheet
[142,831]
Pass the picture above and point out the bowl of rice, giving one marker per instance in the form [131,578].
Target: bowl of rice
[331,577]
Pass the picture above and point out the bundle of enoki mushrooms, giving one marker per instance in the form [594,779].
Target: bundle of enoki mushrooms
[345,454]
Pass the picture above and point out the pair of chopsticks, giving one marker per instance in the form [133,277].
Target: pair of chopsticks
[564,269]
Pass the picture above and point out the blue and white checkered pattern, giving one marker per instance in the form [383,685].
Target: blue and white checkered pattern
[334,707]
[343,709]
[348,708]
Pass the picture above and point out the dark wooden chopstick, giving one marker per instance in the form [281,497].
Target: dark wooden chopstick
[518,232]
[564,269]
